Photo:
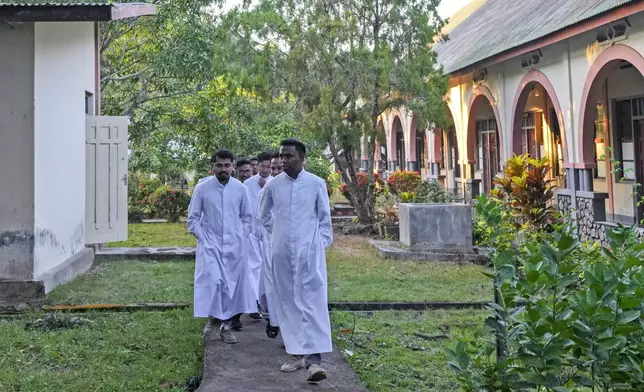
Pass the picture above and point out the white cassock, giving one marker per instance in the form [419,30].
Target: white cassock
[255,246]
[300,225]
[220,216]
[266,291]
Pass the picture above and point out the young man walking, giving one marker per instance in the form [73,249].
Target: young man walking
[294,208]
[256,247]
[220,217]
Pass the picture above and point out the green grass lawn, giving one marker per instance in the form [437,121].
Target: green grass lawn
[140,351]
[355,273]
[156,234]
[387,356]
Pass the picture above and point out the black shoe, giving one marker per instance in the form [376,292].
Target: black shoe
[236,323]
[255,316]
[271,331]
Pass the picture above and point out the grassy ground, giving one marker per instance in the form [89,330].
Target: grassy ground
[156,234]
[141,351]
[355,273]
[383,350]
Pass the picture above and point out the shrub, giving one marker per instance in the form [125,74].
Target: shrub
[362,186]
[525,189]
[431,192]
[566,319]
[386,209]
[140,189]
[403,181]
[135,214]
[171,204]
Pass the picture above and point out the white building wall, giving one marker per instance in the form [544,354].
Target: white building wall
[16,151]
[64,71]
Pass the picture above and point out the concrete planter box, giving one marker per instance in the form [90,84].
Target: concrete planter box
[436,226]
[388,231]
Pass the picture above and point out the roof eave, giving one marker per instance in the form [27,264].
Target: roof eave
[581,27]
[73,12]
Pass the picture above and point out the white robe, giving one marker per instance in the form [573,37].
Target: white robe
[300,225]
[255,246]
[266,292]
[221,219]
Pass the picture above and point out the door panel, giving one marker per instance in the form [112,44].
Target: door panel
[106,179]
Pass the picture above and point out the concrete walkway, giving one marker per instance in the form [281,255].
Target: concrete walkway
[253,365]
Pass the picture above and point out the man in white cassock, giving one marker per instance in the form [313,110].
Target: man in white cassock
[256,247]
[294,208]
[220,216]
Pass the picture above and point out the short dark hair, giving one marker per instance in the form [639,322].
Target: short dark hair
[252,159]
[265,156]
[299,146]
[222,153]
[241,162]
[276,155]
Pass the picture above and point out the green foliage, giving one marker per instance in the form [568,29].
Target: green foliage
[170,204]
[565,318]
[403,181]
[431,192]
[361,187]
[526,191]
[386,208]
[341,65]
[140,189]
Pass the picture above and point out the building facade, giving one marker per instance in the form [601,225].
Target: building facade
[556,79]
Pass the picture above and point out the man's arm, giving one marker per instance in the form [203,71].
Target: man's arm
[324,215]
[246,212]
[195,211]
[264,211]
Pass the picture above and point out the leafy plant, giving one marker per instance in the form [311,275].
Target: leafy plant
[361,187]
[431,192]
[526,190]
[171,204]
[140,190]
[403,181]
[386,209]
[559,323]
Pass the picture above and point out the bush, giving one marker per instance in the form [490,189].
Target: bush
[386,209]
[567,318]
[170,204]
[431,192]
[362,185]
[135,214]
[140,189]
[403,181]
[525,189]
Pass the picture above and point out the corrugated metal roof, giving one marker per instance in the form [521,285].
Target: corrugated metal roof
[48,4]
[499,25]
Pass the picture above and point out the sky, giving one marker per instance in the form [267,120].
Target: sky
[445,10]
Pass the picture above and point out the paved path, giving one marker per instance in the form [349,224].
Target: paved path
[253,365]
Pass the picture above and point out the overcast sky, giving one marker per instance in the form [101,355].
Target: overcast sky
[446,9]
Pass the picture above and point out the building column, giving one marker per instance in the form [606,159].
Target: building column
[392,166]
[412,166]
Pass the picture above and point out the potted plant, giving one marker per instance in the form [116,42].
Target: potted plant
[387,215]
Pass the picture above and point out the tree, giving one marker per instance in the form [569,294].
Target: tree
[172,76]
[346,62]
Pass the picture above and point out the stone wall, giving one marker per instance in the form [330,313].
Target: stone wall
[590,214]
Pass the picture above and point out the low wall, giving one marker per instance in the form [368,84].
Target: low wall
[437,226]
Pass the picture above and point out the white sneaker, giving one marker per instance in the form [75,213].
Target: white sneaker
[294,362]
[315,373]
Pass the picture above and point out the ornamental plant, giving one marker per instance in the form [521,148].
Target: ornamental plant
[560,323]
[169,203]
[404,181]
[524,187]
[362,185]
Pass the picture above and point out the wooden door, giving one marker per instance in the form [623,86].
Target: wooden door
[106,157]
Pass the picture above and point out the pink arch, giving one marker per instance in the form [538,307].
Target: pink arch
[393,154]
[481,92]
[601,68]
[411,157]
[520,99]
